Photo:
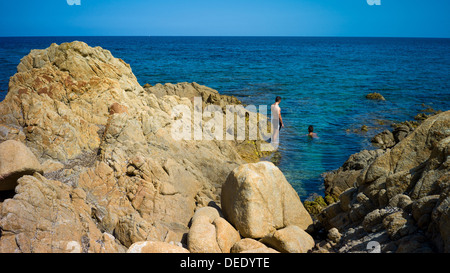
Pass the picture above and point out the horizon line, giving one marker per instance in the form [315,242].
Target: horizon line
[230,36]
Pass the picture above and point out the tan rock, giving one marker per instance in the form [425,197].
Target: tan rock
[334,235]
[412,150]
[11,132]
[44,216]
[248,245]
[133,228]
[191,90]
[210,233]
[155,247]
[436,172]
[16,160]
[117,108]
[338,181]
[291,239]
[398,224]
[226,234]
[202,236]
[267,250]
[108,202]
[257,200]
[50,166]
[209,212]
[73,247]
[65,91]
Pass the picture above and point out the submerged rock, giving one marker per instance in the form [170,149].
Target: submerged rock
[375,96]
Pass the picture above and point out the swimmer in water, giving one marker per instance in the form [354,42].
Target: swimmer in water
[311,133]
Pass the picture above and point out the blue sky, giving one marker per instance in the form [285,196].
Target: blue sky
[393,18]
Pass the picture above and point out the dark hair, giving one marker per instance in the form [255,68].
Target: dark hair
[277,99]
[310,128]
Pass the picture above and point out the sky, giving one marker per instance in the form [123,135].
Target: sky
[392,18]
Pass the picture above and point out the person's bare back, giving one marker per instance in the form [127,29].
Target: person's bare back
[276,112]
[277,121]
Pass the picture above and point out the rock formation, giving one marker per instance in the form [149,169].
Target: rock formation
[264,212]
[397,197]
[346,176]
[96,168]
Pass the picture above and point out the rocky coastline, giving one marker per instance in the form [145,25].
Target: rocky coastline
[393,199]
[88,165]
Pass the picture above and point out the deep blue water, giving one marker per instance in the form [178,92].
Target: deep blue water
[323,82]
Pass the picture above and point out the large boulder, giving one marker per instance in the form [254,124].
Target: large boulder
[257,199]
[16,160]
[64,93]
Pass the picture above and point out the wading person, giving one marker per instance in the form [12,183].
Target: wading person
[277,121]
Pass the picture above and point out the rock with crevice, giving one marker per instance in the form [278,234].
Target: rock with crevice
[347,176]
[49,216]
[257,199]
[210,233]
[291,239]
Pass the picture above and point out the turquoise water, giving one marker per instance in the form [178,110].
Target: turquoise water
[323,82]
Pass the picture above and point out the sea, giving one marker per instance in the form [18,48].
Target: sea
[323,81]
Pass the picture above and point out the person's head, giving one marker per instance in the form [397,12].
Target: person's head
[278,99]
[310,129]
